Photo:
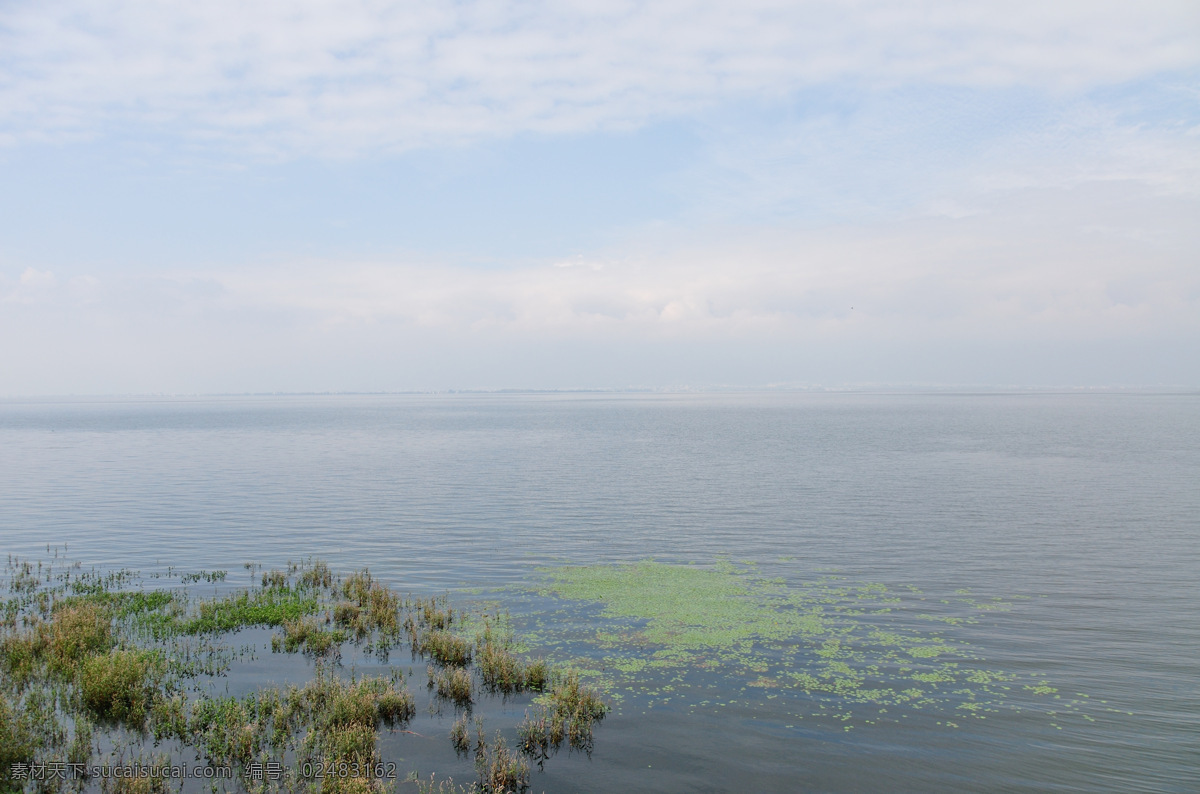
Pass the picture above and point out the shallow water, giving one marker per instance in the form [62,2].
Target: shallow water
[1081,510]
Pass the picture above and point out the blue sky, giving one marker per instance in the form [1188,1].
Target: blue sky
[375,196]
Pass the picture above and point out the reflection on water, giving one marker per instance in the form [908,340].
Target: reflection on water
[1079,511]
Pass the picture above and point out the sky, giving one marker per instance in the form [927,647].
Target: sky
[359,195]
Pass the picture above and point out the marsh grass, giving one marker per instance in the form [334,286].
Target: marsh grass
[435,786]
[271,606]
[540,735]
[18,741]
[569,711]
[501,671]
[445,649]
[345,715]
[460,735]
[21,655]
[308,635]
[120,685]
[346,614]
[435,613]
[382,610]
[80,749]
[226,730]
[335,720]
[86,662]
[77,631]
[352,785]
[151,776]
[451,683]
[369,606]
[501,771]
[316,576]
[537,675]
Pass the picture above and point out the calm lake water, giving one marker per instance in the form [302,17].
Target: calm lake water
[1082,511]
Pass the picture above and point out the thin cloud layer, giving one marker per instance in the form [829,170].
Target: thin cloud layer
[336,79]
[1087,268]
[342,195]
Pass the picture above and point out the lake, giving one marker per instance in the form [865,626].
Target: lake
[1052,541]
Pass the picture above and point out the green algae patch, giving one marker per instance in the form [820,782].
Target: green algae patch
[840,648]
[686,608]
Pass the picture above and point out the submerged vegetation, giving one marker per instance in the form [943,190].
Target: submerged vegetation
[96,672]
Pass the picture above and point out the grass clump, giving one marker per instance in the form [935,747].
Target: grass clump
[337,719]
[540,735]
[317,576]
[17,742]
[227,730]
[396,707]
[370,606]
[435,786]
[153,777]
[23,579]
[77,631]
[307,634]
[80,750]
[501,771]
[568,712]
[499,668]
[21,655]
[451,683]
[120,685]
[345,715]
[272,606]
[502,671]
[357,585]
[351,785]
[211,577]
[346,614]
[435,614]
[537,675]
[460,736]
[445,649]
[570,697]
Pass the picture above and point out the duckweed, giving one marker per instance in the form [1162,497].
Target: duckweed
[841,644]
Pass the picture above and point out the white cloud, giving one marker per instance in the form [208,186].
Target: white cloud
[336,78]
[35,278]
[936,152]
[1028,263]
[1087,286]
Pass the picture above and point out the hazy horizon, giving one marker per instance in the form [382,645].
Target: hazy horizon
[900,390]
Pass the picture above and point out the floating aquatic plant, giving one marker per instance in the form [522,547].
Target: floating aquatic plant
[829,641]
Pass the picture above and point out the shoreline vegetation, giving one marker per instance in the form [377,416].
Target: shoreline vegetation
[96,673]
[115,669]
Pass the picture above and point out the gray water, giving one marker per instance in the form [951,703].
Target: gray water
[1083,506]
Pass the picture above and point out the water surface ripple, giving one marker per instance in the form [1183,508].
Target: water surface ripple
[1086,503]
